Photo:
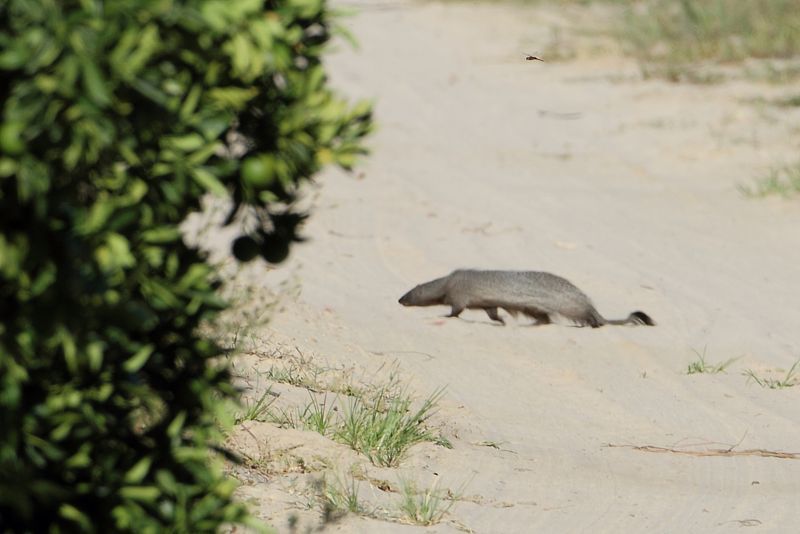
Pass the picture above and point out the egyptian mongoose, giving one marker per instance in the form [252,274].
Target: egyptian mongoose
[535,294]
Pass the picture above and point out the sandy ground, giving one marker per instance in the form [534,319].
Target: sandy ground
[628,188]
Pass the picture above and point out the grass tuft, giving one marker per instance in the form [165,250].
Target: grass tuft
[319,416]
[784,181]
[257,410]
[381,426]
[427,507]
[339,498]
[789,380]
[702,366]
[384,428]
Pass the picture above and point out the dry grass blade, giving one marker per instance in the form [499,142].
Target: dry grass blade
[712,452]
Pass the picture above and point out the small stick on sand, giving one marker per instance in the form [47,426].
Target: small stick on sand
[715,452]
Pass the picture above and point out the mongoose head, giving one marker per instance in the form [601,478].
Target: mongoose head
[422,295]
[407,299]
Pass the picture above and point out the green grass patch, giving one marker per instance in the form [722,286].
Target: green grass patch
[426,507]
[720,30]
[317,415]
[783,181]
[671,37]
[702,366]
[792,101]
[256,409]
[789,380]
[384,428]
[688,40]
[339,497]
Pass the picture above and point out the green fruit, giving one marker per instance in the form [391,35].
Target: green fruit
[257,172]
[11,138]
[245,248]
[274,249]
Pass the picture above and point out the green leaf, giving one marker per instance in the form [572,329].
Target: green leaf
[70,351]
[95,85]
[61,431]
[201,156]
[242,53]
[80,459]
[44,280]
[167,481]
[214,126]
[161,234]
[209,182]
[150,91]
[196,273]
[232,97]
[98,214]
[104,391]
[7,167]
[68,72]
[135,362]
[176,425]
[14,57]
[95,355]
[69,512]
[147,494]
[115,254]
[306,8]
[162,296]
[190,102]
[149,43]
[122,516]
[137,473]
[185,143]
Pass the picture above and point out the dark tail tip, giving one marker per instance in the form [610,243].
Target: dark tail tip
[640,317]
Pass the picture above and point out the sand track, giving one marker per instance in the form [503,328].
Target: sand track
[625,187]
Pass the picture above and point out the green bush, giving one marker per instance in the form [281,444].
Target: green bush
[116,118]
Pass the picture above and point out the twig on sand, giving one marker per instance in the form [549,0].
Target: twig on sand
[713,452]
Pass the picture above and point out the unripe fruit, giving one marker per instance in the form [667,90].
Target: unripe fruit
[257,172]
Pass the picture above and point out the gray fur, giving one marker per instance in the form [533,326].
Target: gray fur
[535,294]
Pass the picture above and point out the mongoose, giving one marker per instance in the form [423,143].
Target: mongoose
[535,294]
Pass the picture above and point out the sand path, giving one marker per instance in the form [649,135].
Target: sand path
[628,189]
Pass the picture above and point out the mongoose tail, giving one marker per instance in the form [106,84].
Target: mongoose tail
[637,317]
[591,317]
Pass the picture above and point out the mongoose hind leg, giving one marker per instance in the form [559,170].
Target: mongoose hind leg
[492,313]
[540,316]
[590,320]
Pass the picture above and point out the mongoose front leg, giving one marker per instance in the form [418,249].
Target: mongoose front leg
[455,310]
[492,313]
